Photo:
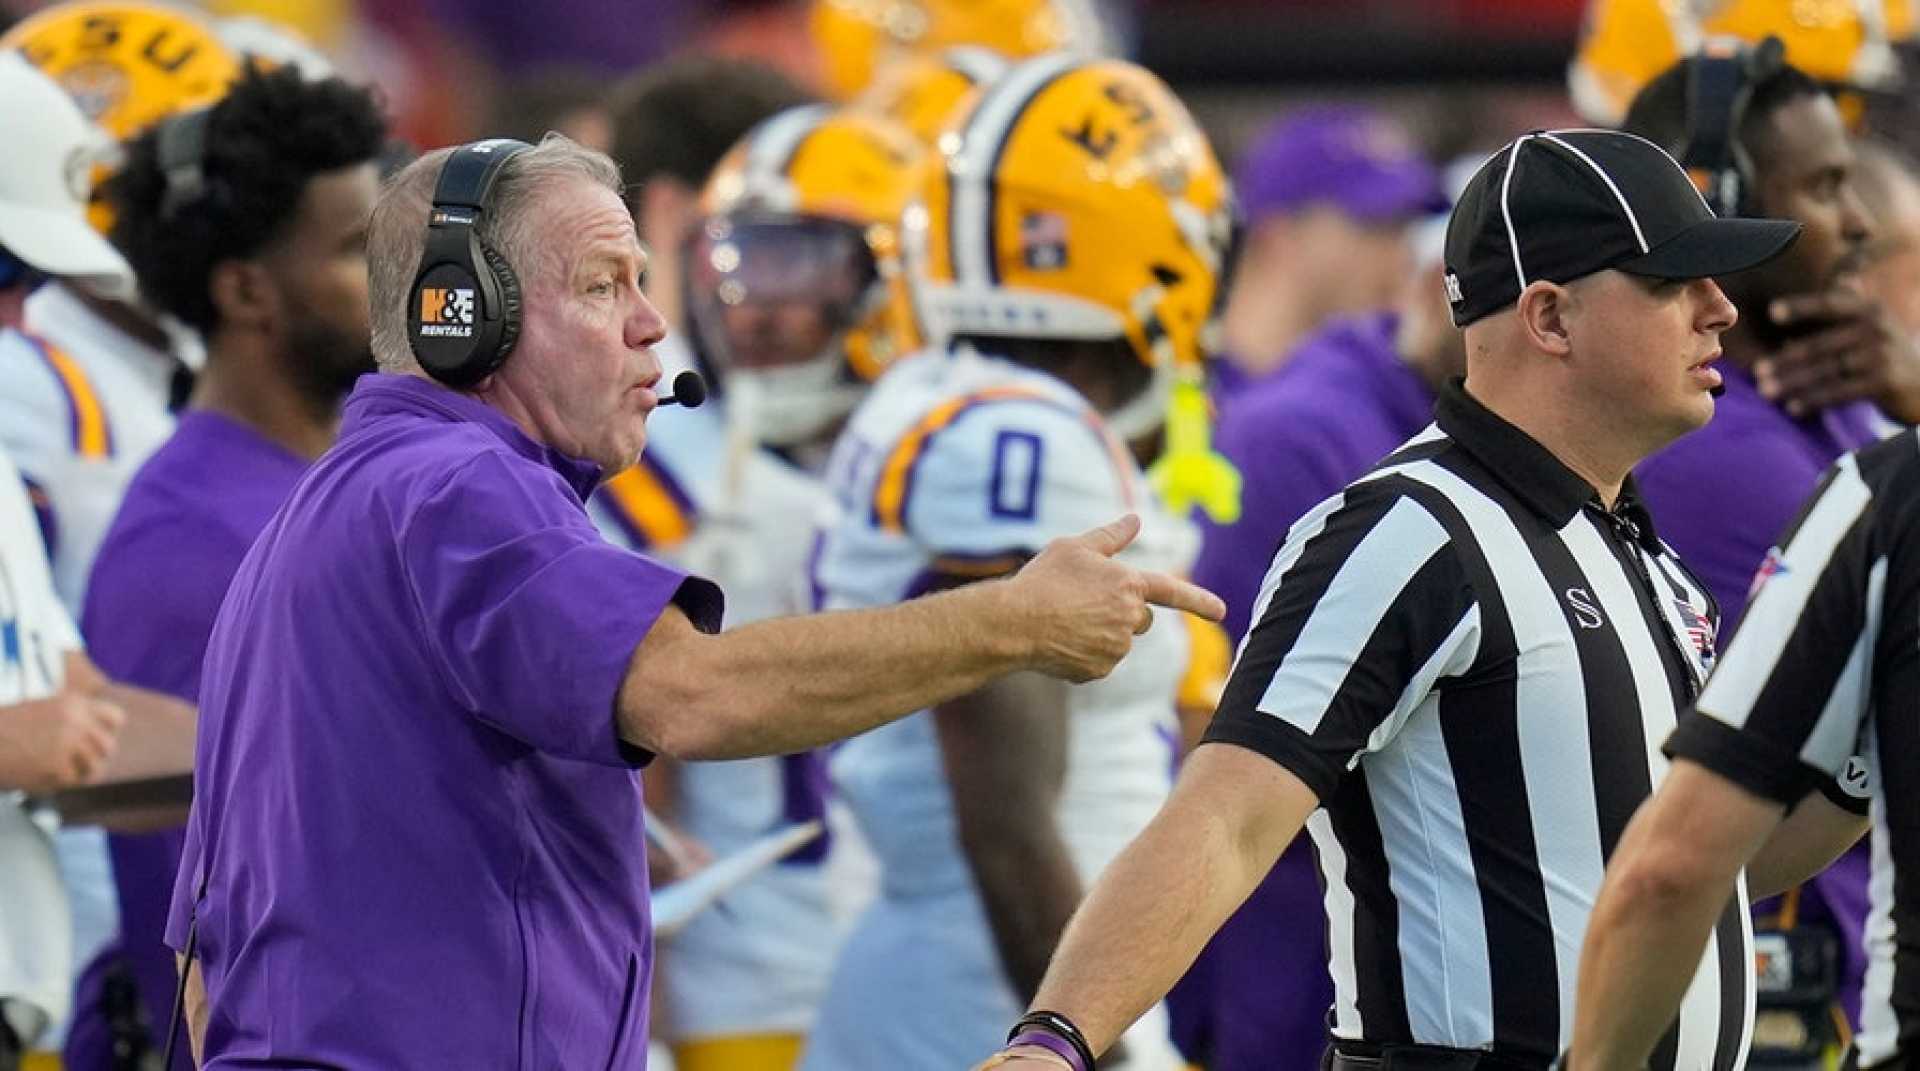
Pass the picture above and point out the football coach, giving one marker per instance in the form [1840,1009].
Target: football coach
[416,838]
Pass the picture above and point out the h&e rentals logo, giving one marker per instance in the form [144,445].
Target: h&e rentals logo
[446,312]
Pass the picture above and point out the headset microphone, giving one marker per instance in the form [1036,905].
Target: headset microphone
[688,390]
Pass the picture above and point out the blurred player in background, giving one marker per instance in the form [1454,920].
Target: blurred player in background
[861,38]
[246,221]
[1329,196]
[1626,43]
[671,125]
[926,90]
[1066,252]
[88,387]
[796,299]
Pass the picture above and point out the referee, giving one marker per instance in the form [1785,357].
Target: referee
[1462,666]
[1827,660]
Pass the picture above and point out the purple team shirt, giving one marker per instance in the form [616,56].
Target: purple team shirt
[1723,496]
[186,521]
[420,830]
[1258,996]
[1343,401]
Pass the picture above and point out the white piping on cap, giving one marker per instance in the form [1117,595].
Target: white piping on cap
[1632,219]
[1506,211]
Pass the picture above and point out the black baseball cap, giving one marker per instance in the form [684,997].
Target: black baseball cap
[1562,204]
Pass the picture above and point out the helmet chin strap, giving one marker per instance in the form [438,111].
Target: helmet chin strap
[1146,411]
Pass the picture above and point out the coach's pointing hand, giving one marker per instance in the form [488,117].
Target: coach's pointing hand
[1084,609]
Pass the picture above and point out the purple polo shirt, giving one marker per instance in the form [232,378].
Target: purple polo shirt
[1723,496]
[1258,996]
[421,832]
[186,521]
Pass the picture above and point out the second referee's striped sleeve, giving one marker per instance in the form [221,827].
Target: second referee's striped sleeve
[1783,711]
[1365,607]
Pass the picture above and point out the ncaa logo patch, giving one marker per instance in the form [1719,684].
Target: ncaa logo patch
[446,311]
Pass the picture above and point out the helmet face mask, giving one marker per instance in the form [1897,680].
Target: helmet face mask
[794,288]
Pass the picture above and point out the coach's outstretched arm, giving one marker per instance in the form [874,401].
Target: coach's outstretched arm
[780,686]
[1231,814]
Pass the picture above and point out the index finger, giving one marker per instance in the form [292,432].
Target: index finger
[1824,305]
[1164,590]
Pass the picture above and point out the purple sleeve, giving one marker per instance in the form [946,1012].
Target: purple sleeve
[534,618]
[1722,501]
[151,603]
[1286,469]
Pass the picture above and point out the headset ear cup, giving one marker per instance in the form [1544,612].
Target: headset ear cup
[507,284]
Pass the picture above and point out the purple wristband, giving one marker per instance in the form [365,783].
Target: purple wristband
[1053,1043]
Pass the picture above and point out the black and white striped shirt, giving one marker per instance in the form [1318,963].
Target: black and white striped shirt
[1827,662]
[1473,664]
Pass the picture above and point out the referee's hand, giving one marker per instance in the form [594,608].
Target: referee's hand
[1083,609]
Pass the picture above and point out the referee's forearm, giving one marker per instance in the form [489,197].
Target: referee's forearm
[1164,897]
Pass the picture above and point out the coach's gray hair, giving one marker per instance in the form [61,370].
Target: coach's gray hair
[397,235]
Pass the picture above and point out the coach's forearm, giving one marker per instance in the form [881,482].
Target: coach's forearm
[785,685]
[1165,896]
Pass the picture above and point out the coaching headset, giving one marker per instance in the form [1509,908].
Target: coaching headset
[463,312]
[1720,81]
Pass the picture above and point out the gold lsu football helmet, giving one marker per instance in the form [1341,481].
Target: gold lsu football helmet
[1077,199]
[128,66]
[1627,43]
[795,289]
[860,37]
[923,91]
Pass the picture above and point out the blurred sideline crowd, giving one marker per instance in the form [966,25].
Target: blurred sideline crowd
[825,190]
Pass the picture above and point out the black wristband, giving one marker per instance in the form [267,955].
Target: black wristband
[1059,1025]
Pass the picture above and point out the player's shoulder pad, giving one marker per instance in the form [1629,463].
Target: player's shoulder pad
[1004,469]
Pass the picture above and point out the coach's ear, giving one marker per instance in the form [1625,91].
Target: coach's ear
[1543,308]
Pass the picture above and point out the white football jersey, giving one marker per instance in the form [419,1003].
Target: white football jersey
[758,961]
[959,464]
[82,405]
[36,945]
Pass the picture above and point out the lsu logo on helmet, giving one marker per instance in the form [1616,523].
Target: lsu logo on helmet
[795,280]
[1077,199]
[1627,43]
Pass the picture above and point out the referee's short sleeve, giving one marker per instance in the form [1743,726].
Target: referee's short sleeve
[1783,712]
[1365,607]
